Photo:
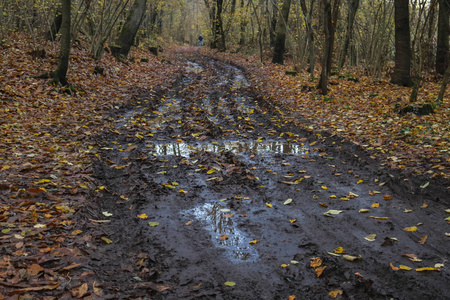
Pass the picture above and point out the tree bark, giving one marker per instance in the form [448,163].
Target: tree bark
[55,26]
[323,82]
[402,69]
[218,41]
[59,76]
[352,8]
[442,52]
[129,29]
[280,39]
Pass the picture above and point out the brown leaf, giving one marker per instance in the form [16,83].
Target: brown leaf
[34,270]
[50,286]
[315,262]
[423,239]
[82,290]
[319,270]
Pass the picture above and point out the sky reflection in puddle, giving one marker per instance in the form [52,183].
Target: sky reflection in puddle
[218,223]
[256,147]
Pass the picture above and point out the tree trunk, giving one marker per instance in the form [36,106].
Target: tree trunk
[402,70]
[352,8]
[310,35]
[444,83]
[129,29]
[323,82]
[442,52]
[273,24]
[218,40]
[55,26]
[59,76]
[280,39]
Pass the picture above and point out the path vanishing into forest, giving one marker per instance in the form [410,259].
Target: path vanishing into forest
[180,176]
[208,191]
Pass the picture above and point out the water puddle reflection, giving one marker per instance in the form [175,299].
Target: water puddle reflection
[192,67]
[220,223]
[256,147]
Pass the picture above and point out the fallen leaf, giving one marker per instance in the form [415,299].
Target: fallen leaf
[427,269]
[34,269]
[268,204]
[364,210]
[224,237]
[106,240]
[293,221]
[351,258]
[107,214]
[334,212]
[153,224]
[387,197]
[188,223]
[339,250]
[405,268]
[230,283]
[394,267]
[423,239]
[287,201]
[333,294]
[324,187]
[76,232]
[359,181]
[142,216]
[412,257]
[410,229]
[379,218]
[371,237]
[319,270]
[284,265]
[291,297]
[253,242]
[315,262]
[425,185]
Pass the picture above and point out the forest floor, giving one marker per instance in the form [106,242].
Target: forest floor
[198,175]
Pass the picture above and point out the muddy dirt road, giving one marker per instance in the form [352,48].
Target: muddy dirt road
[206,182]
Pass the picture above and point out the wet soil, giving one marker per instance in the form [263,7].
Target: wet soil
[236,192]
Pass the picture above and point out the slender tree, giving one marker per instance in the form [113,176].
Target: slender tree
[130,28]
[402,69]
[323,82]
[218,41]
[352,9]
[59,76]
[280,38]
[443,50]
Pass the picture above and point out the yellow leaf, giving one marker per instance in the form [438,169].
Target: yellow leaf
[253,242]
[344,199]
[379,218]
[335,293]
[106,240]
[142,216]
[387,197]
[411,229]
[333,196]
[324,187]
[284,265]
[293,221]
[375,205]
[182,192]
[405,268]
[359,181]
[76,232]
[268,204]
[371,237]
[153,224]
[291,297]
[230,283]
[339,250]
[427,269]
[363,210]
[210,171]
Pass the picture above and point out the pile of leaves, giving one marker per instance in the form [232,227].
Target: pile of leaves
[364,110]
[48,137]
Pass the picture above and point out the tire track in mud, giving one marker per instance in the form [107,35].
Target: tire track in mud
[207,159]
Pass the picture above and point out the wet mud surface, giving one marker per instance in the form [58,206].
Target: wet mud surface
[236,193]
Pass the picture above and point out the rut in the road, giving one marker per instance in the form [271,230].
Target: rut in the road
[214,164]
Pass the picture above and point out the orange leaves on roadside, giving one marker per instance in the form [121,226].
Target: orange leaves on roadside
[316,263]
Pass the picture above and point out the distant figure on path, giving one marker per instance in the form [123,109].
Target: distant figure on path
[200,40]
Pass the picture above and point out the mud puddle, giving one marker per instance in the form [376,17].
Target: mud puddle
[209,139]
